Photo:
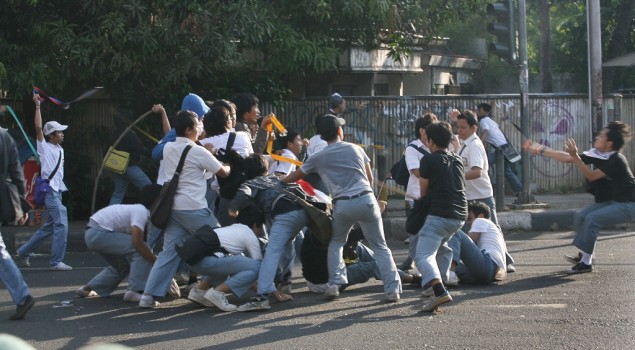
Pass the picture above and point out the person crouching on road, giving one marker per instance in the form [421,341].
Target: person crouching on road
[116,232]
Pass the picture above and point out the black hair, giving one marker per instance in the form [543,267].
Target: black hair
[255,165]
[149,195]
[289,137]
[469,116]
[618,133]
[478,208]
[222,103]
[423,122]
[215,121]
[485,106]
[184,120]
[250,216]
[440,133]
[244,102]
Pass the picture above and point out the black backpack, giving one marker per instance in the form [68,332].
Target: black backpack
[229,185]
[399,172]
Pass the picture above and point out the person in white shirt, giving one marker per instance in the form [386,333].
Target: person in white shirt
[190,211]
[479,257]
[56,225]
[291,145]
[240,260]
[117,232]
[414,152]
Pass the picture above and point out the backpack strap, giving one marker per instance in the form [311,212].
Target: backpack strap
[421,150]
[57,166]
[230,141]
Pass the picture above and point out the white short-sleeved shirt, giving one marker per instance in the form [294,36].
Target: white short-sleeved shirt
[190,194]
[242,143]
[239,239]
[494,134]
[121,217]
[491,240]
[342,167]
[49,154]
[286,168]
[316,144]
[473,155]
[413,161]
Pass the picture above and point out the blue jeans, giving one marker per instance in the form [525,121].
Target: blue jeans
[434,257]
[510,176]
[56,225]
[133,174]
[588,221]
[11,276]
[243,271]
[117,249]
[474,265]
[182,223]
[366,268]
[364,210]
[284,228]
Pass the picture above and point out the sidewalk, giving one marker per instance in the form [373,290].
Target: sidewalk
[557,217]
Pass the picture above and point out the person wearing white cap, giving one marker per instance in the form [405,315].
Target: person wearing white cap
[56,225]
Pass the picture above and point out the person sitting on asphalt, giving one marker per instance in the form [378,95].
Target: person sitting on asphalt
[359,259]
[116,232]
[287,220]
[611,182]
[240,260]
[479,256]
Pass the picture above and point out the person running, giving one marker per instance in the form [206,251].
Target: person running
[611,182]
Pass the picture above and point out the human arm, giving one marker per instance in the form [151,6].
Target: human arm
[475,236]
[473,173]
[157,151]
[38,119]
[589,174]
[369,173]
[293,177]
[165,122]
[539,149]
[424,184]
[140,246]
[483,135]
[262,136]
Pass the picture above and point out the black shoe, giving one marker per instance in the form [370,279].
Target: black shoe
[575,259]
[21,310]
[580,268]
[416,280]
[406,265]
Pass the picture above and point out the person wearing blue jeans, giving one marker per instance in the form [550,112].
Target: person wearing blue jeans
[442,182]
[611,182]
[135,175]
[52,163]
[9,273]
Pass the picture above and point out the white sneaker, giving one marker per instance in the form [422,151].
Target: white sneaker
[453,280]
[61,267]
[25,261]
[427,293]
[219,299]
[147,302]
[392,297]
[332,292]
[198,296]
[83,293]
[132,296]
[175,290]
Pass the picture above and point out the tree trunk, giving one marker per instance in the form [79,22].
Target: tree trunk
[619,37]
[546,77]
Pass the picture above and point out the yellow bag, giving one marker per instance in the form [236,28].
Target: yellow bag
[116,161]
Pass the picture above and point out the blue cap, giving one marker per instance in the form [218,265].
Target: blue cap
[194,103]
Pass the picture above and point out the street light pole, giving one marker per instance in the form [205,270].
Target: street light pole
[595,65]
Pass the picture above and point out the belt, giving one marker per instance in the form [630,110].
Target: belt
[344,198]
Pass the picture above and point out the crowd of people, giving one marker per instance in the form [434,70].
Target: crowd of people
[235,225]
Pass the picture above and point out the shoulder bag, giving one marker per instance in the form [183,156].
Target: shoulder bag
[162,207]
[42,185]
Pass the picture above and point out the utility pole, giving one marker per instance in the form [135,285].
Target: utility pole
[595,65]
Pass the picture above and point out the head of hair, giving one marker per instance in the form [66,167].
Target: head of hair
[215,121]
[184,120]
[485,106]
[222,103]
[440,133]
[255,165]
[250,216]
[469,116]
[618,133]
[478,208]
[149,195]
[289,137]
[244,102]
[423,122]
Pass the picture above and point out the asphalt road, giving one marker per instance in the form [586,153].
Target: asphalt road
[538,307]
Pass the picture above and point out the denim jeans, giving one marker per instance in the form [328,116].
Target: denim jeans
[284,228]
[364,210]
[133,174]
[182,223]
[434,257]
[588,221]
[366,268]
[11,276]
[117,249]
[56,225]
[510,176]
[243,271]
[474,265]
